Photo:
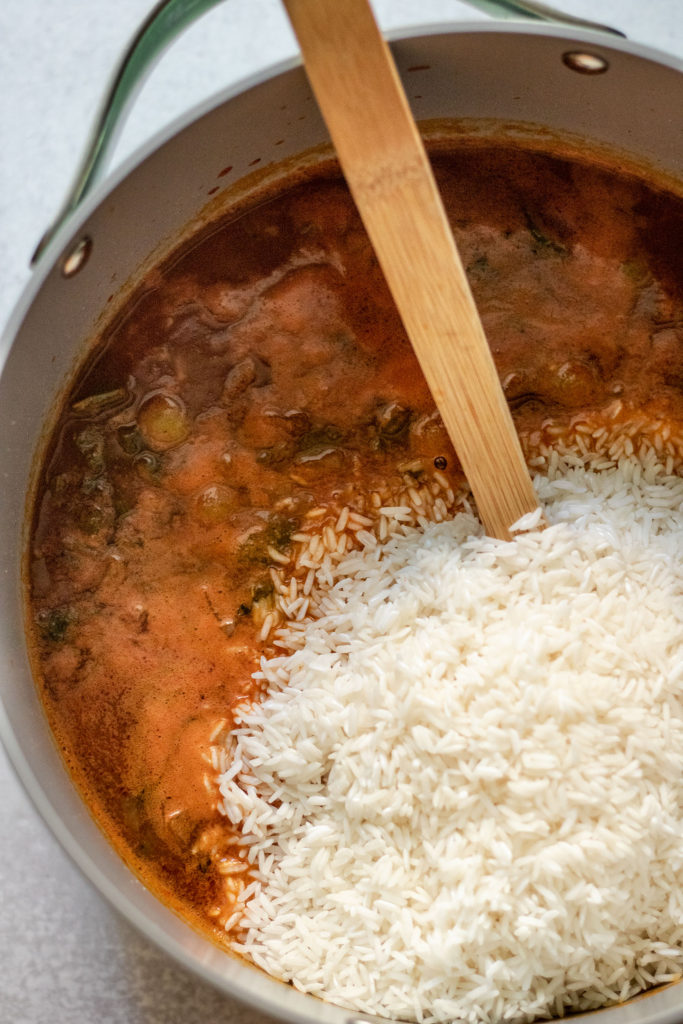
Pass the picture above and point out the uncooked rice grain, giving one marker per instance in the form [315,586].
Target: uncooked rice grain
[461,795]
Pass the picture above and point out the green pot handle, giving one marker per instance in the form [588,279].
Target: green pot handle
[167,21]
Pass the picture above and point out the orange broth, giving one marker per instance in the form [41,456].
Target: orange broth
[261,374]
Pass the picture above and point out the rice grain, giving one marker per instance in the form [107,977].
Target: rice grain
[461,796]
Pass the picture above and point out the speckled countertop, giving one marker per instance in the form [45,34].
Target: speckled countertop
[65,956]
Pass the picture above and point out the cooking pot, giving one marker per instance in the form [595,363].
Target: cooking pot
[537,81]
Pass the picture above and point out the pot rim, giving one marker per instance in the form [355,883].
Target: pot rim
[68,231]
[58,245]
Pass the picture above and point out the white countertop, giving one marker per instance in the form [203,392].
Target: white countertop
[65,956]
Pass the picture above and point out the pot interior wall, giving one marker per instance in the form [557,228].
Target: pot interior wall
[513,81]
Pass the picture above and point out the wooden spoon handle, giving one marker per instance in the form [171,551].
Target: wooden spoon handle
[355,81]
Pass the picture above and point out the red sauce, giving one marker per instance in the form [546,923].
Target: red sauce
[262,372]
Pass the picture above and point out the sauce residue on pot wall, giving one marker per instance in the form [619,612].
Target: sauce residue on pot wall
[261,376]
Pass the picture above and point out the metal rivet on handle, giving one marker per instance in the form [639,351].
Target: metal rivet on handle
[585,63]
[77,257]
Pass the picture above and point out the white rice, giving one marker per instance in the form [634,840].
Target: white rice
[462,794]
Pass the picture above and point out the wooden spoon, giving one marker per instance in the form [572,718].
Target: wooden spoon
[355,81]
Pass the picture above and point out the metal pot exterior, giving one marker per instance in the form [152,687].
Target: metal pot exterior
[490,78]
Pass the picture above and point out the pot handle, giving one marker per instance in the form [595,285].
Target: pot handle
[167,20]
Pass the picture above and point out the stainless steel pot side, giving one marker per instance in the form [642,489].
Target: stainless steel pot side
[507,73]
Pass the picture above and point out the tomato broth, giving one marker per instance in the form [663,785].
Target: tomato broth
[257,382]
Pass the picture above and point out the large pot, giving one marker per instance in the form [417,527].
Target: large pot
[537,80]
